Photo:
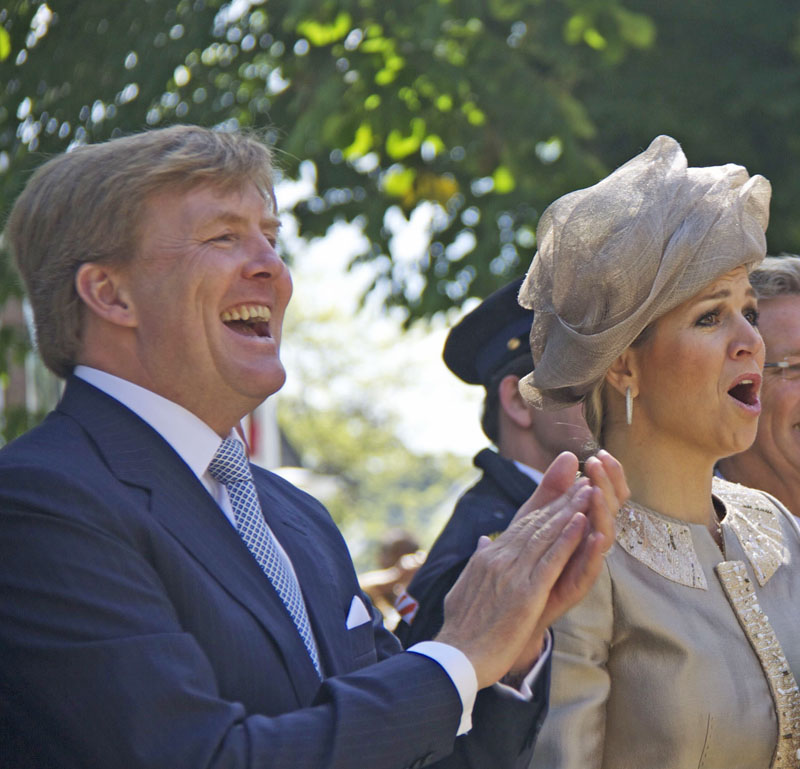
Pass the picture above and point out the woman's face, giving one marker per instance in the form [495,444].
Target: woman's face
[699,372]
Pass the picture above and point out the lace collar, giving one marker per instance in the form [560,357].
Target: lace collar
[666,546]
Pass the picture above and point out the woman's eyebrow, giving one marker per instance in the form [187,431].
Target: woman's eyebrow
[724,293]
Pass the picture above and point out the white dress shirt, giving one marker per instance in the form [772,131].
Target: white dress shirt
[196,443]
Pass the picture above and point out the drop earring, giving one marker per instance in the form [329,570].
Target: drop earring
[628,405]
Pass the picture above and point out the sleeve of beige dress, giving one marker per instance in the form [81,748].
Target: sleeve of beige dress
[573,733]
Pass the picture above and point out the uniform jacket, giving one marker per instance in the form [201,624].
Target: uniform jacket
[484,509]
[136,630]
[681,656]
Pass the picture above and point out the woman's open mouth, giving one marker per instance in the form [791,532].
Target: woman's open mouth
[745,391]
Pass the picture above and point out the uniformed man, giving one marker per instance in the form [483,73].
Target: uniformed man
[490,347]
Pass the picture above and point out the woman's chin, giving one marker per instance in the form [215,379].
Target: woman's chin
[739,442]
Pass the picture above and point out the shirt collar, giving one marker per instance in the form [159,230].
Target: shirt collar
[192,439]
[535,475]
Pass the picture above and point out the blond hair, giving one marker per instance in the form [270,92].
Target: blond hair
[594,410]
[86,206]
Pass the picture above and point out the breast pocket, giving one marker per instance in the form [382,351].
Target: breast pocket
[362,644]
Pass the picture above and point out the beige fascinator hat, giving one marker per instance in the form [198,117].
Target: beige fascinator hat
[614,257]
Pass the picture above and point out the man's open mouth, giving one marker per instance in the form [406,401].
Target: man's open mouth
[745,391]
[248,319]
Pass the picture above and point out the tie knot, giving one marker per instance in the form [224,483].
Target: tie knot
[230,464]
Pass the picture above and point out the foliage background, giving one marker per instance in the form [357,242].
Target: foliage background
[472,115]
[343,410]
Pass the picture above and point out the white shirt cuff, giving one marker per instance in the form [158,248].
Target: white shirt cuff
[525,691]
[460,671]
[462,674]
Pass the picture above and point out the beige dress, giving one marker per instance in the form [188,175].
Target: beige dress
[681,657]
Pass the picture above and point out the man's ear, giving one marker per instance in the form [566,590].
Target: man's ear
[512,403]
[624,373]
[103,291]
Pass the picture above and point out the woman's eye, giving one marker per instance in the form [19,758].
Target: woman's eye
[708,319]
[752,316]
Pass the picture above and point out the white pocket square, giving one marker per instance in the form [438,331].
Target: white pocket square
[358,613]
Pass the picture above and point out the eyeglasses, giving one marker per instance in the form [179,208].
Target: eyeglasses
[788,368]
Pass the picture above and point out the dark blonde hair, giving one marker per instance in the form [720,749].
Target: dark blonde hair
[86,206]
[594,410]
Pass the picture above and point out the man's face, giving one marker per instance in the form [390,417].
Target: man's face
[563,430]
[209,293]
[778,438]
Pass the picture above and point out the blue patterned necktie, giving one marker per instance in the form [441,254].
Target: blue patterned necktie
[232,469]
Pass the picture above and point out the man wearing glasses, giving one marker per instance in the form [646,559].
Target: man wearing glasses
[772,463]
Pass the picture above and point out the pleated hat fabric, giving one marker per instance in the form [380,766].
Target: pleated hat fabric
[614,257]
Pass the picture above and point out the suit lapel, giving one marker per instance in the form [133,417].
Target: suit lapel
[194,518]
[139,456]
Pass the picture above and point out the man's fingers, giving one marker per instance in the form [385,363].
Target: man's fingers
[560,473]
[557,479]
[552,562]
[608,478]
[596,472]
[602,517]
[576,578]
[605,503]
[615,474]
[500,599]
[581,572]
[544,525]
[529,538]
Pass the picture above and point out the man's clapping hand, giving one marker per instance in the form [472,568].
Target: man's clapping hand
[515,587]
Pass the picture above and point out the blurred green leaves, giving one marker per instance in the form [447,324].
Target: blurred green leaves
[460,93]
[399,145]
[5,44]
[611,29]
[380,482]
[478,113]
[320,34]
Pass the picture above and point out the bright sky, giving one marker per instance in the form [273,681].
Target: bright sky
[436,411]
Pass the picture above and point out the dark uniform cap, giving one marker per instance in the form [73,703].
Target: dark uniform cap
[485,340]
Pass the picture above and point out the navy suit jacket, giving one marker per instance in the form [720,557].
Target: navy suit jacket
[136,630]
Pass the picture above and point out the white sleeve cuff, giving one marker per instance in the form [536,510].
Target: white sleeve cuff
[525,691]
[461,673]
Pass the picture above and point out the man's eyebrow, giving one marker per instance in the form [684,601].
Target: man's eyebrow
[231,217]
